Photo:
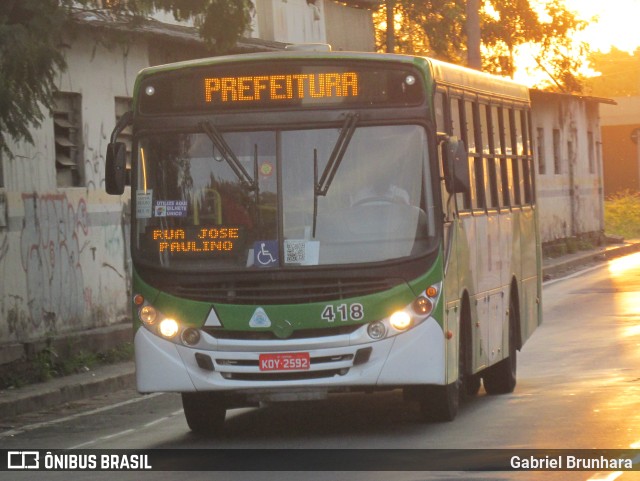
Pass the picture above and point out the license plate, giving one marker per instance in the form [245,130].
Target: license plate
[290,361]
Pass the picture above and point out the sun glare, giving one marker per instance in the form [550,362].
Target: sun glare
[610,25]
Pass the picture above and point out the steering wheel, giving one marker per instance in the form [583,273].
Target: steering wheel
[378,200]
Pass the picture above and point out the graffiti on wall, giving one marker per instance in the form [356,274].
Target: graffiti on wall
[50,253]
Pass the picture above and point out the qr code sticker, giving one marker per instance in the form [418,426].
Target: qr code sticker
[295,251]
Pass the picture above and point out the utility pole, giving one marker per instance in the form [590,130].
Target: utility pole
[391,41]
[473,34]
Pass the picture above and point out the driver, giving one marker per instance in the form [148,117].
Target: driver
[377,186]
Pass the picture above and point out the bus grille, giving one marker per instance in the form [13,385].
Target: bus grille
[298,291]
[221,333]
[329,363]
[285,376]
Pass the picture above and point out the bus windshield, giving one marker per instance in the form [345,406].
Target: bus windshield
[250,200]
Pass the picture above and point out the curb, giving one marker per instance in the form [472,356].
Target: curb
[110,378]
[557,267]
[72,388]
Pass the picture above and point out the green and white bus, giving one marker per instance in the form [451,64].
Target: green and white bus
[306,223]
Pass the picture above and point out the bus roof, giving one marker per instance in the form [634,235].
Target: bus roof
[480,82]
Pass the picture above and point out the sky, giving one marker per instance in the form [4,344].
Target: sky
[617,23]
[612,23]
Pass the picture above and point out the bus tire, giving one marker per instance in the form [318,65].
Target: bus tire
[501,377]
[204,411]
[469,382]
[440,403]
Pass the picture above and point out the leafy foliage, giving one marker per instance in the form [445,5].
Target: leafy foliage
[220,22]
[30,56]
[437,28]
[622,214]
[620,75]
[32,36]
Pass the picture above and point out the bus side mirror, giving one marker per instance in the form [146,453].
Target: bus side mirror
[116,165]
[456,166]
[115,174]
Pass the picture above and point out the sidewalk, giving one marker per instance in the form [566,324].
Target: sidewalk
[114,377]
[559,266]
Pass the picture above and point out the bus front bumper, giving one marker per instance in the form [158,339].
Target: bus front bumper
[337,363]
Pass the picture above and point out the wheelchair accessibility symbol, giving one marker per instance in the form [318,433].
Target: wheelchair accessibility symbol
[265,253]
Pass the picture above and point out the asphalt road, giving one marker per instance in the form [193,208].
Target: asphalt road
[578,387]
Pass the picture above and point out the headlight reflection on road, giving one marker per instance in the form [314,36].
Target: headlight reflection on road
[620,266]
[605,476]
[625,274]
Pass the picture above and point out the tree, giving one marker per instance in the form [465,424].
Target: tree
[425,27]
[509,25]
[30,56]
[620,74]
[506,26]
[32,47]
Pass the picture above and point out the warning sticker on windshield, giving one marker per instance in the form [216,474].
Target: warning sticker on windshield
[170,208]
[144,204]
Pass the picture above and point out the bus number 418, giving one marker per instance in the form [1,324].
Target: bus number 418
[345,312]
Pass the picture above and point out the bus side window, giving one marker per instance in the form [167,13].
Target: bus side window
[520,143]
[472,118]
[526,156]
[516,148]
[456,124]
[505,166]
[439,111]
[533,170]
[456,106]
[490,163]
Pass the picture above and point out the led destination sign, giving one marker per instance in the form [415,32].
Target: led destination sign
[200,240]
[281,87]
[280,84]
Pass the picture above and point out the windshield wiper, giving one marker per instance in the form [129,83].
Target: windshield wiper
[321,187]
[227,154]
[348,128]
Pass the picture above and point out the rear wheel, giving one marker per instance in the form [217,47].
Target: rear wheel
[501,377]
[204,411]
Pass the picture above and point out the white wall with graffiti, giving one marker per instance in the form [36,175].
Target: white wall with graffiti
[63,250]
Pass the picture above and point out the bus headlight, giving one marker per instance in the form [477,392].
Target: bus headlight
[168,327]
[422,306]
[400,320]
[191,336]
[377,330]
[148,314]
[407,318]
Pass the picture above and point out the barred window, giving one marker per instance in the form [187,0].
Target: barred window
[557,161]
[67,125]
[542,163]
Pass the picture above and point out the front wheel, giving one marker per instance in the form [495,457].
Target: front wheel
[440,403]
[501,377]
[204,411]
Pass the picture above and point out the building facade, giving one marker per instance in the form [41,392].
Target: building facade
[568,156]
[621,145]
[63,240]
